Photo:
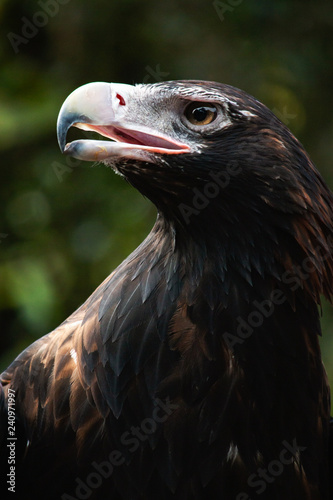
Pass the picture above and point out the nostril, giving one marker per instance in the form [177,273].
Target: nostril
[121,100]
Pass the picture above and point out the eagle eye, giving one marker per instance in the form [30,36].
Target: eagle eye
[200,113]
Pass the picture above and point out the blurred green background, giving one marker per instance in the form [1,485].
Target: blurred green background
[65,225]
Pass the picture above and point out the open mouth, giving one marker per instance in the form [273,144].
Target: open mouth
[152,142]
[103,108]
[124,142]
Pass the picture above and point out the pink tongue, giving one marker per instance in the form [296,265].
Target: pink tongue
[135,137]
[149,140]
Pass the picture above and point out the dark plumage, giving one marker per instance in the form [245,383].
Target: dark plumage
[194,370]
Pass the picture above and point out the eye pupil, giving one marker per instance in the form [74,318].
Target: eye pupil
[200,113]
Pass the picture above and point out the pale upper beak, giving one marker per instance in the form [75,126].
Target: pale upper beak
[104,108]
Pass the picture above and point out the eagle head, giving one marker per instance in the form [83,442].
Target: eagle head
[209,155]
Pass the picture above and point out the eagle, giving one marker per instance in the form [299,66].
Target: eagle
[194,370]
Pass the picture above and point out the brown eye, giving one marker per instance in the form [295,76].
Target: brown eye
[200,113]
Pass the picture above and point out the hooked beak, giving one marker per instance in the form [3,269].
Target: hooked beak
[103,108]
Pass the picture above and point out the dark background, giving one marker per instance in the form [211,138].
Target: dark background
[64,225]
